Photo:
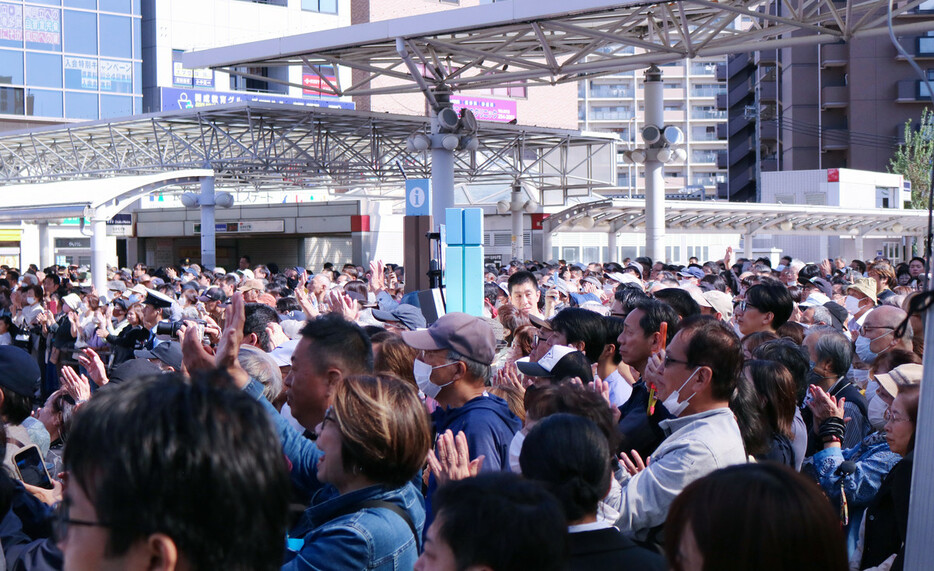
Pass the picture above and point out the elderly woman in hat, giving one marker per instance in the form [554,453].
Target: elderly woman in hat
[853,477]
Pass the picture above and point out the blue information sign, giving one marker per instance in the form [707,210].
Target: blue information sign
[418,197]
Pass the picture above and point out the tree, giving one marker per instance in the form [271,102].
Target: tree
[913,158]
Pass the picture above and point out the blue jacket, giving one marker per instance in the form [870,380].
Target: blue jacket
[487,423]
[302,453]
[489,426]
[874,460]
[369,538]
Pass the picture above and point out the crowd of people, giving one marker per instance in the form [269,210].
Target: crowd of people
[719,415]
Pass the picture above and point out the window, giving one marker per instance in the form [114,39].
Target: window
[42,28]
[81,73]
[43,103]
[241,83]
[119,6]
[116,36]
[324,6]
[116,106]
[12,17]
[519,91]
[86,4]
[12,100]
[11,67]
[80,32]
[81,105]
[43,70]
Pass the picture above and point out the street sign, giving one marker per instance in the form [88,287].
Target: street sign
[418,197]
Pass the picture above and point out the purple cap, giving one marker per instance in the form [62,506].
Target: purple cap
[465,334]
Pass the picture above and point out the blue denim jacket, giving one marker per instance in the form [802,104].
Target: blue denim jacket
[874,460]
[370,538]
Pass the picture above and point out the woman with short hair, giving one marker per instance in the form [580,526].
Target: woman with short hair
[753,516]
[374,439]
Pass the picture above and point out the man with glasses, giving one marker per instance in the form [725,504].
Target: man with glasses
[767,306]
[694,378]
[878,334]
[167,474]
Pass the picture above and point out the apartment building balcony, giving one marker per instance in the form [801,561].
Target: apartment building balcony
[769,165]
[834,97]
[768,131]
[721,74]
[766,57]
[834,55]
[768,91]
[835,140]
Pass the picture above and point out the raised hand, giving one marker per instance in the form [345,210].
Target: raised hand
[91,361]
[79,387]
[450,460]
[634,464]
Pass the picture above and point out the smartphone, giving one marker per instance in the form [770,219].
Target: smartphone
[31,468]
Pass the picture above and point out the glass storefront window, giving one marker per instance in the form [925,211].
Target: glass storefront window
[81,73]
[86,4]
[116,37]
[119,6]
[12,100]
[43,103]
[116,106]
[11,22]
[80,32]
[43,70]
[81,105]
[42,28]
[11,67]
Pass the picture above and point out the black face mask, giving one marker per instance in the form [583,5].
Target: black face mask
[291,282]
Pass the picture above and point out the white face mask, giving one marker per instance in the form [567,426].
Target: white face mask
[851,304]
[30,300]
[876,412]
[515,449]
[675,406]
[422,372]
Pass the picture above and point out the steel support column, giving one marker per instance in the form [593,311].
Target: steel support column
[206,202]
[654,170]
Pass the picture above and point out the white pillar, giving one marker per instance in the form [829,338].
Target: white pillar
[99,252]
[547,237]
[516,212]
[747,245]
[45,249]
[859,247]
[613,253]
[206,201]
[654,173]
[919,549]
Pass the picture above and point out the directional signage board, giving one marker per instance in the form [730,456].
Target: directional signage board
[418,197]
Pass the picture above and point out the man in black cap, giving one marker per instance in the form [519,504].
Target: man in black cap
[153,304]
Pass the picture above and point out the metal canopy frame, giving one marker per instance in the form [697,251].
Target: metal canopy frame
[271,146]
[546,42]
[714,217]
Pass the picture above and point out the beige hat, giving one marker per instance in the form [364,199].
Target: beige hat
[721,302]
[251,285]
[72,300]
[866,286]
[907,374]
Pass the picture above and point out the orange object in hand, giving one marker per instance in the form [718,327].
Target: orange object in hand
[663,334]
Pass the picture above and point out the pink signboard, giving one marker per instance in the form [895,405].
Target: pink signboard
[486,109]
